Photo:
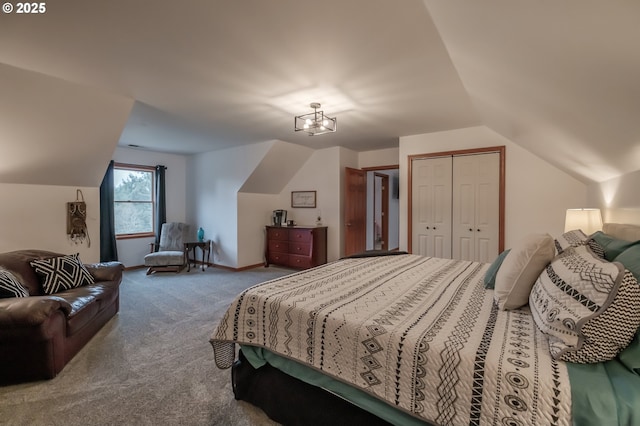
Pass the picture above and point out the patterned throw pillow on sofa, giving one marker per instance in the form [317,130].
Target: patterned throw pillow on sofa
[10,286]
[588,307]
[61,273]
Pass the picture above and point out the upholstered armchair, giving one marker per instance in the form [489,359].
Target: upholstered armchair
[169,254]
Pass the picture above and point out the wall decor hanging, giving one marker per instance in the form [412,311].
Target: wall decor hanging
[305,199]
[77,220]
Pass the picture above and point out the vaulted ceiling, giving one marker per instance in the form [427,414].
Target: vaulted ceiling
[558,78]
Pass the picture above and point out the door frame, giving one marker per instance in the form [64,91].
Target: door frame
[499,149]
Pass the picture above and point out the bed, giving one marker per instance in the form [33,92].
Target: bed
[409,340]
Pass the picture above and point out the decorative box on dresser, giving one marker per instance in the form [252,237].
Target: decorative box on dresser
[299,247]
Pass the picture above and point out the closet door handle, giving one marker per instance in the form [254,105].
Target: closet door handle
[434,228]
[470,229]
[478,229]
[428,227]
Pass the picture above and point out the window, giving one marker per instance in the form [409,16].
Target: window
[134,201]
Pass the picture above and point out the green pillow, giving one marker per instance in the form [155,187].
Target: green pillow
[630,356]
[490,276]
[630,258]
[612,246]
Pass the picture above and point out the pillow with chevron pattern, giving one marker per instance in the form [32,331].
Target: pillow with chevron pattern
[10,286]
[61,273]
[589,308]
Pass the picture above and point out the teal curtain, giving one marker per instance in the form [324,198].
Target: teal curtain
[108,248]
[161,201]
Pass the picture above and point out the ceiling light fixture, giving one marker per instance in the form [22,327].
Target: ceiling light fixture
[315,123]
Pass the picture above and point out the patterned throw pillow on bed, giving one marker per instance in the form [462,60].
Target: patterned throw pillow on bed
[10,286]
[569,239]
[61,273]
[588,307]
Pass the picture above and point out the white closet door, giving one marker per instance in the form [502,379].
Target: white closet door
[431,207]
[476,211]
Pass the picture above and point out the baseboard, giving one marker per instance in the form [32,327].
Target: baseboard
[244,268]
[130,268]
[209,265]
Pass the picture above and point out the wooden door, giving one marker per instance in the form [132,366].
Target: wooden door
[355,211]
[431,206]
[476,206]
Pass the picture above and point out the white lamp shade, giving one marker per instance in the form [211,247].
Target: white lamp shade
[589,220]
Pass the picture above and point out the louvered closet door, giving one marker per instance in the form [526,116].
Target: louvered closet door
[476,201]
[431,207]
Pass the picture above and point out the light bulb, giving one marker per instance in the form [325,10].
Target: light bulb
[308,121]
[325,123]
[306,125]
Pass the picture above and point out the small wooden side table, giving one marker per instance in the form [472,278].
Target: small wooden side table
[205,247]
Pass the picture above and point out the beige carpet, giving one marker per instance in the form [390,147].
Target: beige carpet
[150,365]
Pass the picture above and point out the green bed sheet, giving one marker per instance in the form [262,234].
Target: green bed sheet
[602,394]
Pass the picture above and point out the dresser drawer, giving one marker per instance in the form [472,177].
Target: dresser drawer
[303,249]
[302,235]
[277,234]
[278,246]
[299,247]
[279,258]
[296,261]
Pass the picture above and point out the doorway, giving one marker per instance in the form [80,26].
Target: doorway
[376,205]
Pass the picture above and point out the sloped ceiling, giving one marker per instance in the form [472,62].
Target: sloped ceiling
[277,168]
[558,78]
[54,132]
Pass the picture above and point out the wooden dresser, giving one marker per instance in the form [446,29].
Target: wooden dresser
[299,247]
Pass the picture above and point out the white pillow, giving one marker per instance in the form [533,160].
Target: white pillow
[521,269]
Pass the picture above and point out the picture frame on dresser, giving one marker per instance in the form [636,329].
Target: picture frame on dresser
[303,199]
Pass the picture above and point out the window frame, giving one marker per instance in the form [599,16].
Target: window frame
[139,168]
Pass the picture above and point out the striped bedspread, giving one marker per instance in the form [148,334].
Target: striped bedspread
[420,333]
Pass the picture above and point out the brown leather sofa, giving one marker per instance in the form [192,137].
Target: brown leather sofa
[41,333]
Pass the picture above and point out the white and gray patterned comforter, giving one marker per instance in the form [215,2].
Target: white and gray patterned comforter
[420,333]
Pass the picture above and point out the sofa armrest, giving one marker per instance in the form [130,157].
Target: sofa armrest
[29,311]
[106,271]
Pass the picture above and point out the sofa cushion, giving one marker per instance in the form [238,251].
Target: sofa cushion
[164,258]
[61,273]
[10,286]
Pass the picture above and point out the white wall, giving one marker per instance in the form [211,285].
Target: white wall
[254,212]
[236,220]
[379,157]
[213,203]
[323,172]
[34,217]
[131,251]
[617,198]
[537,194]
